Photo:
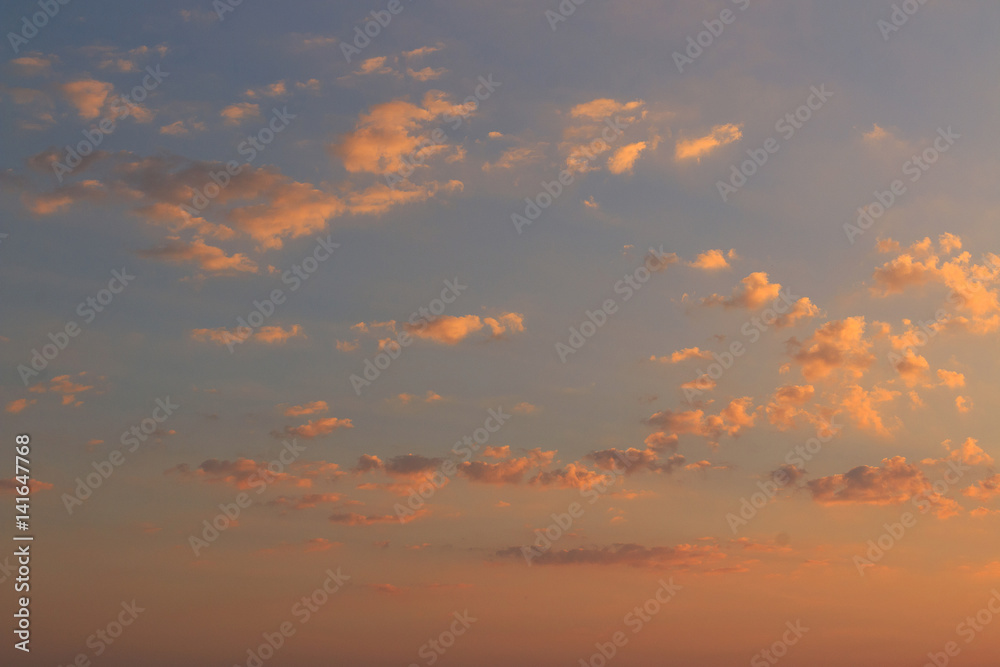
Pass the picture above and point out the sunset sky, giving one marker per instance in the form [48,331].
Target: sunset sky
[519,332]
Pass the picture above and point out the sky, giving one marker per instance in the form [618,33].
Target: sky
[418,332]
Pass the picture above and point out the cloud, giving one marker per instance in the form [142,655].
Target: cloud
[87,95]
[276,89]
[893,482]
[968,453]
[451,330]
[985,490]
[19,405]
[235,114]
[685,354]
[860,403]
[787,404]
[317,427]
[306,409]
[604,107]
[836,345]
[271,335]
[951,379]
[33,64]
[524,408]
[720,135]
[507,471]
[713,260]
[731,420]
[625,157]
[755,291]
[426,73]
[206,257]
[391,131]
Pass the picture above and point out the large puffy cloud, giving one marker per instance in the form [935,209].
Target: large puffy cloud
[731,420]
[860,405]
[755,291]
[837,345]
[894,481]
[391,131]
[506,471]
[973,286]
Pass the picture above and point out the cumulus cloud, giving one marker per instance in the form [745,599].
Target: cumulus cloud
[893,482]
[451,330]
[391,131]
[838,345]
[755,291]
[713,260]
[731,420]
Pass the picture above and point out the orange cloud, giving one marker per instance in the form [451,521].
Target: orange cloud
[205,257]
[893,482]
[318,427]
[720,135]
[306,409]
[837,345]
